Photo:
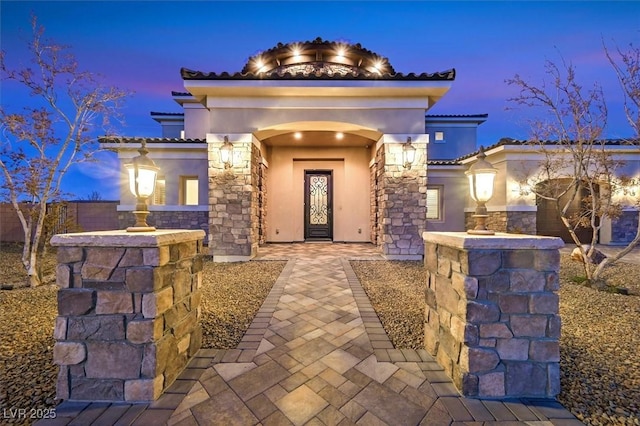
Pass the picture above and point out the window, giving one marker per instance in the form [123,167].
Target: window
[433,203]
[160,193]
[438,137]
[189,190]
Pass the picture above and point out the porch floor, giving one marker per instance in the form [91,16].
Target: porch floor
[315,354]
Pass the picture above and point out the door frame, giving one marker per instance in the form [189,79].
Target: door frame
[307,225]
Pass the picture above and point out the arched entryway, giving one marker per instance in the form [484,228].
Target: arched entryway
[318,181]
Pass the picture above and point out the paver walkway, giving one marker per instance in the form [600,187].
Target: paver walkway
[316,354]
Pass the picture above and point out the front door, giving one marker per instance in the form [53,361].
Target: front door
[318,205]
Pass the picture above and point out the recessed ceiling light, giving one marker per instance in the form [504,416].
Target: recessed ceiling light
[339,135]
[297,135]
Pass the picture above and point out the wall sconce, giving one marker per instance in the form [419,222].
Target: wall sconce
[481,175]
[408,154]
[226,153]
[142,182]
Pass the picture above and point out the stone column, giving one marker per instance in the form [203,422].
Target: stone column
[402,197]
[233,199]
[128,311]
[491,318]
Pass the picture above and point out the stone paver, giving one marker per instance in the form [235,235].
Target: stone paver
[316,354]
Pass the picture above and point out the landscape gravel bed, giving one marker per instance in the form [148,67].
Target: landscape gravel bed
[600,340]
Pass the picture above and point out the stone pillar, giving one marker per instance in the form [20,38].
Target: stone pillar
[402,197]
[128,312]
[233,199]
[491,318]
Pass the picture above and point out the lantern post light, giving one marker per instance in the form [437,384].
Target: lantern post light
[142,182]
[226,153]
[408,154]
[481,176]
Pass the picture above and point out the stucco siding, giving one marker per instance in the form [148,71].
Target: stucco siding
[285,184]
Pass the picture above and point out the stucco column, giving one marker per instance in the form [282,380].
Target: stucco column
[128,311]
[492,317]
[401,192]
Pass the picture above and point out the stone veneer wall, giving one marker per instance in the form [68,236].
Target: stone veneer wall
[378,187]
[508,221]
[128,312]
[624,228]
[491,317]
[257,205]
[232,208]
[403,206]
[179,219]
[262,201]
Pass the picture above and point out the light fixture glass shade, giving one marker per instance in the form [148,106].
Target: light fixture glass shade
[226,153]
[142,173]
[408,154]
[481,185]
[144,183]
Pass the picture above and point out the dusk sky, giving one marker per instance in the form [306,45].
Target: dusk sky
[141,46]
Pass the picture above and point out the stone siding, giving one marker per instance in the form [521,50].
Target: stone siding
[512,222]
[378,186]
[128,313]
[403,207]
[262,202]
[232,208]
[179,219]
[491,317]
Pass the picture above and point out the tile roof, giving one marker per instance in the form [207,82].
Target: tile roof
[521,142]
[170,114]
[457,115]
[137,140]
[448,75]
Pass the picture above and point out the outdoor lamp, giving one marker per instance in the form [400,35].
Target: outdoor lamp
[481,175]
[142,181]
[226,153]
[408,154]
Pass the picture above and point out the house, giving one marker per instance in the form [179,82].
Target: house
[327,143]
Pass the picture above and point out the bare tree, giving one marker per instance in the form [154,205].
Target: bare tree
[578,166]
[94,196]
[40,142]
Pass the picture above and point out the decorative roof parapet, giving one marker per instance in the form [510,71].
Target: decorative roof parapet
[317,60]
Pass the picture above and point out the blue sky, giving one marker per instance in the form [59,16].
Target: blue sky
[141,46]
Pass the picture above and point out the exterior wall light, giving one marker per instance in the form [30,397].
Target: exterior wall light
[226,153]
[408,154]
[481,176]
[142,181]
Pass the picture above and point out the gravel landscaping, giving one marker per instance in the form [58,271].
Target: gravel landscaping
[600,340]
[599,345]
